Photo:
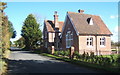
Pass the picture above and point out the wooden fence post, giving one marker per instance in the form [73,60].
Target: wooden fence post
[53,49]
[71,52]
[117,50]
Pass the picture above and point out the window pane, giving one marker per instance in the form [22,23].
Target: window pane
[102,41]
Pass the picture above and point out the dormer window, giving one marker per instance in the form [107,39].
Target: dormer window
[90,21]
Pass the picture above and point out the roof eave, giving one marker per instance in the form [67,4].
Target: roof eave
[96,34]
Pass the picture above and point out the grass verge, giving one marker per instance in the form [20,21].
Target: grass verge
[85,64]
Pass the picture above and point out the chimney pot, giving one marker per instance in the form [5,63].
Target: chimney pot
[80,11]
[56,19]
[55,12]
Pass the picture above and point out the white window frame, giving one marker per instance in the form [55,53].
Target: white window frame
[89,41]
[69,39]
[51,36]
[102,41]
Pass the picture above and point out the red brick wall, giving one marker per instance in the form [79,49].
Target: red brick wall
[69,27]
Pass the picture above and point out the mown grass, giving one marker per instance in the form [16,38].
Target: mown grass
[86,64]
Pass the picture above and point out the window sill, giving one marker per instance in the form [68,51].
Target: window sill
[90,46]
[68,47]
[102,46]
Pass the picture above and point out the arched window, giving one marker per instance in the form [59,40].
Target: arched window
[69,39]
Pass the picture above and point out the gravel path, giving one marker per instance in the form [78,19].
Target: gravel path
[26,62]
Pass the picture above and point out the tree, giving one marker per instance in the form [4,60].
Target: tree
[31,32]
[20,42]
[117,44]
[11,30]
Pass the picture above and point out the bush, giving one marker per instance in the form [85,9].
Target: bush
[76,54]
[56,53]
[101,60]
[118,59]
[67,52]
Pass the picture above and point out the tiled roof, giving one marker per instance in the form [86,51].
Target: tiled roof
[80,21]
[50,25]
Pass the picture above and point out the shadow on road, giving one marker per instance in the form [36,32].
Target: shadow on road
[39,66]
[42,66]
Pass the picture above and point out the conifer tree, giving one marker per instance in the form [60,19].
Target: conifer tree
[31,32]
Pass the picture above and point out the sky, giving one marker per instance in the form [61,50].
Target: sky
[60,0]
[18,11]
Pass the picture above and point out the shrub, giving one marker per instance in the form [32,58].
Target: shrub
[86,57]
[67,52]
[83,56]
[62,53]
[118,59]
[76,54]
[56,53]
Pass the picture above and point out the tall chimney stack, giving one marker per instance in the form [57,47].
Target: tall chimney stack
[80,11]
[56,20]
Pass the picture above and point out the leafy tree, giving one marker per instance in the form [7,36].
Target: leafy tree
[20,42]
[31,32]
[117,44]
[112,43]
[11,30]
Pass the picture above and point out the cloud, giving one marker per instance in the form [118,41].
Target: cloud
[113,16]
[116,36]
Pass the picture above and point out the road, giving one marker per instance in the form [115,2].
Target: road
[27,62]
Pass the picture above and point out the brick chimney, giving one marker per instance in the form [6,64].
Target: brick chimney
[56,39]
[56,20]
[80,11]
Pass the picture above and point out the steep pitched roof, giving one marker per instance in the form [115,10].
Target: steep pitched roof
[50,25]
[81,23]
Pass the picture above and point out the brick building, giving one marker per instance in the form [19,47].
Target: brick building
[84,32]
[51,32]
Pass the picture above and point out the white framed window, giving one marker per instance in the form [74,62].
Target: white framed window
[90,41]
[51,37]
[102,41]
[69,39]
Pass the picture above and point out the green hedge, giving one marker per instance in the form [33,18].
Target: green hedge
[85,64]
[102,60]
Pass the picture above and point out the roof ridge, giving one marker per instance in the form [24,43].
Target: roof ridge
[81,13]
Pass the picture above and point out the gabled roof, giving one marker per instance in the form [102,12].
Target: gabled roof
[81,22]
[50,25]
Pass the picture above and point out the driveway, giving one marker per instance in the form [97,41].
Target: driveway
[27,62]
